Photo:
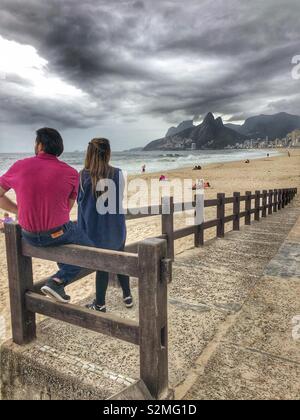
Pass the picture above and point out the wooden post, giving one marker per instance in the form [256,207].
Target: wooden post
[248,208]
[271,192]
[199,232]
[236,210]
[264,203]
[257,206]
[275,205]
[167,224]
[199,236]
[20,281]
[221,215]
[153,304]
[279,199]
[283,199]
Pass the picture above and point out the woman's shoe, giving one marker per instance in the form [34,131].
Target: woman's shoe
[56,291]
[94,307]
[128,302]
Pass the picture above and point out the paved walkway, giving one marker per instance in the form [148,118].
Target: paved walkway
[231,306]
[257,354]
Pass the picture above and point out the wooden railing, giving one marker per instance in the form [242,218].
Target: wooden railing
[265,202]
[148,260]
[149,265]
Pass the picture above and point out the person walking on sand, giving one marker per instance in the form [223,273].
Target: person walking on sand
[46,190]
[6,220]
[106,229]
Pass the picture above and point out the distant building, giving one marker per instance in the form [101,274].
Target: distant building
[294,138]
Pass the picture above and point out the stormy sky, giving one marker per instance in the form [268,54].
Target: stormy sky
[128,69]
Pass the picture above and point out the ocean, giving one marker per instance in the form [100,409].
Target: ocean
[157,161]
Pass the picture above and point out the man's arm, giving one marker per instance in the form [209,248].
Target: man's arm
[6,203]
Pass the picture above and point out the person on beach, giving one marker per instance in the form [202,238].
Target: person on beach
[107,230]
[6,219]
[144,169]
[46,190]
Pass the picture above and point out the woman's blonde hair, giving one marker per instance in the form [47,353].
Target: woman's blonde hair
[97,160]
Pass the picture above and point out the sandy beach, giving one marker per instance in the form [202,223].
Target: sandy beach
[268,173]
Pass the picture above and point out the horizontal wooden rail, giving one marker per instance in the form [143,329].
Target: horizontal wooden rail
[107,324]
[183,232]
[151,211]
[210,223]
[190,230]
[228,219]
[210,203]
[91,258]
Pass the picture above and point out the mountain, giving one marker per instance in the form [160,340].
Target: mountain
[211,134]
[181,127]
[272,126]
[239,128]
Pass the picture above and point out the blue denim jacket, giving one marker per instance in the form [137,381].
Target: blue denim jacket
[107,231]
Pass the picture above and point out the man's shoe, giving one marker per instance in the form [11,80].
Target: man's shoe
[56,291]
[94,307]
[128,302]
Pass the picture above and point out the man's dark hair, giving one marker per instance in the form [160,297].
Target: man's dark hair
[51,141]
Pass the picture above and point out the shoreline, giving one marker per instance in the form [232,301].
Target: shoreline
[184,161]
[208,165]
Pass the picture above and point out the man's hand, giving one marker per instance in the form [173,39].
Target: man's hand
[6,203]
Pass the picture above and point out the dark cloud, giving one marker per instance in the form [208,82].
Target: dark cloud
[167,58]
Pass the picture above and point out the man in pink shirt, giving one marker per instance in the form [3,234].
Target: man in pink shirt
[46,190]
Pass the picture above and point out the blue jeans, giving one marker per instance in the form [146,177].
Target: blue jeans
[72,235]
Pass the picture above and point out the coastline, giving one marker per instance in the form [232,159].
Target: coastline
[264,173]
[155,162]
